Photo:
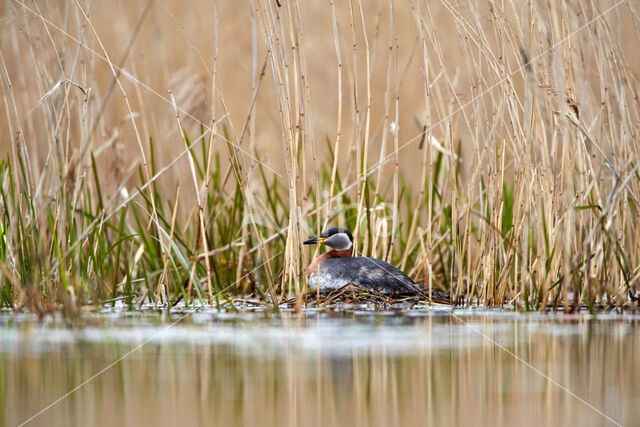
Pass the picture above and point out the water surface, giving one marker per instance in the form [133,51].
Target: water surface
[322,368]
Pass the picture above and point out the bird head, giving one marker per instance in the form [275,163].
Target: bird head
[339,239]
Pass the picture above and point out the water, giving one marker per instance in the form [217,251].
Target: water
[322,368]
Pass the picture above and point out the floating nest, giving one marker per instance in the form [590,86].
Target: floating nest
[353,295]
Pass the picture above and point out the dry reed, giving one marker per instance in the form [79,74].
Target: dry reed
[490,150]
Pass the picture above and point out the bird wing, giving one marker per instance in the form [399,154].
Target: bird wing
[371,274]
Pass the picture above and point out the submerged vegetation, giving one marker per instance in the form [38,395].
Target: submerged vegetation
[489,152]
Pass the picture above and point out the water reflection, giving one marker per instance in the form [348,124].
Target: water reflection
[321,369]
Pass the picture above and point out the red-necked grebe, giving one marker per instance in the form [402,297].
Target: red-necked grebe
[338,268]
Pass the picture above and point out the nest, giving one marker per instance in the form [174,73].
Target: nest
[353,295]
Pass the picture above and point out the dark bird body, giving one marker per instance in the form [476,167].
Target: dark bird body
[337,268]
[370,274]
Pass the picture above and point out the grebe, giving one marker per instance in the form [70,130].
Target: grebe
[338,268]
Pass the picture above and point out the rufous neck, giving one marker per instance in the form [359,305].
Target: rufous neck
[338,254]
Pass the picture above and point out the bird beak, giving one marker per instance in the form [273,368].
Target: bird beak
[314,241]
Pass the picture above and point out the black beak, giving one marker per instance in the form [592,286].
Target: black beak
[314,241]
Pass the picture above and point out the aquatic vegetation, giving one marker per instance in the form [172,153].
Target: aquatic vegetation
[490,151]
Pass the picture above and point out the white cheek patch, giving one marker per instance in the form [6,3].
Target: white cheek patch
[339,242]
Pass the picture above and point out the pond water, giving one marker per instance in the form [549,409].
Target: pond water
[321,368]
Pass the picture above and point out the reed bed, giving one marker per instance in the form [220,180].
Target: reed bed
[153,152]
